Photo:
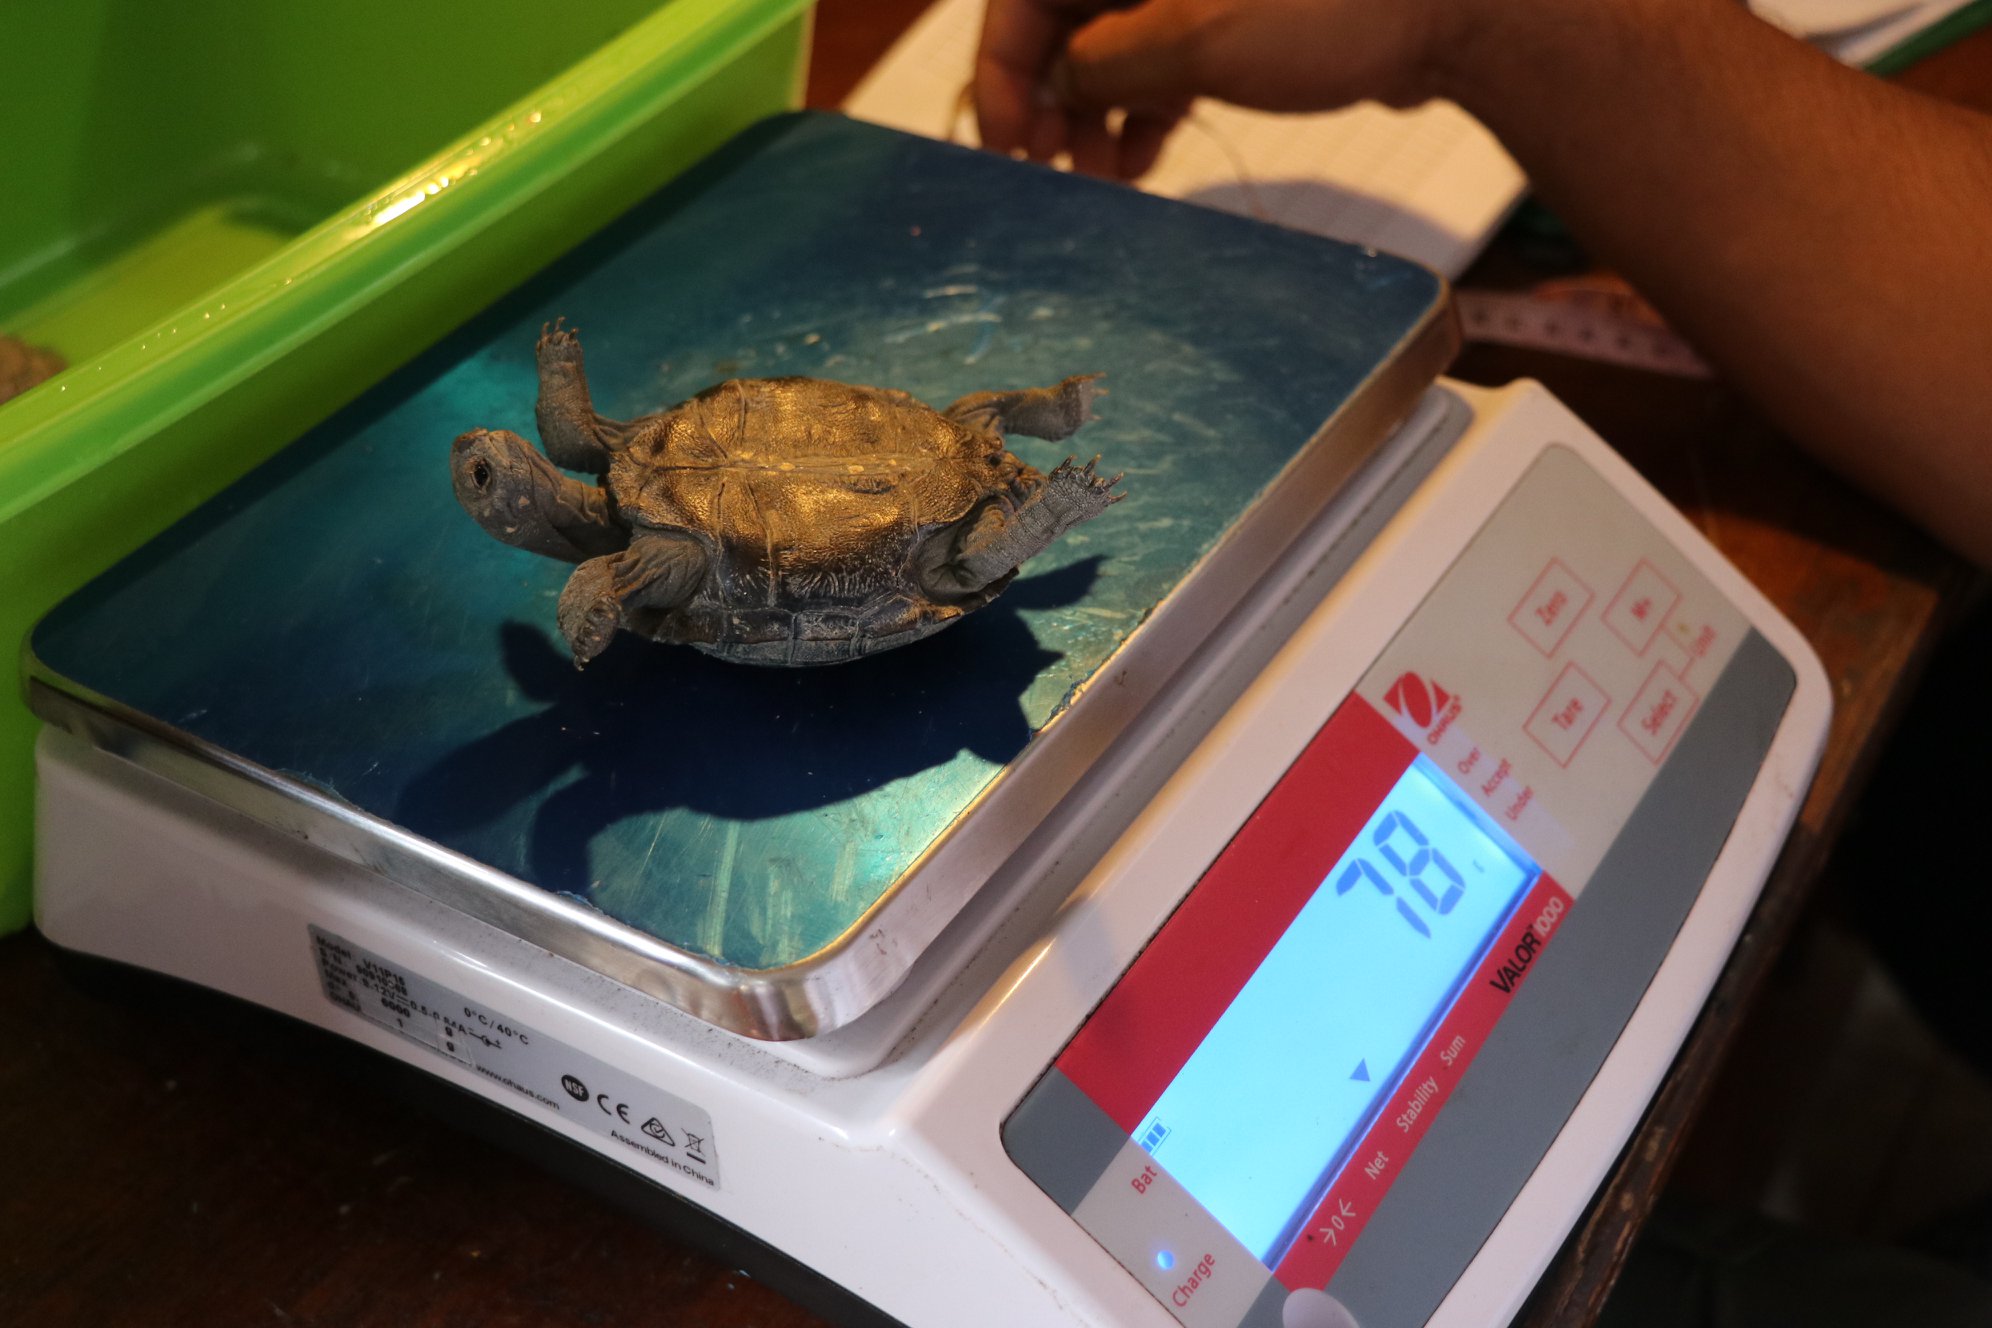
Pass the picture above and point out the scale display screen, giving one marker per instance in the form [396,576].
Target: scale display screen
[1266,1109]
[1279,1049]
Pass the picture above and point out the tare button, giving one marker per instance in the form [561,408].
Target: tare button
[1566,716]
[1551,608]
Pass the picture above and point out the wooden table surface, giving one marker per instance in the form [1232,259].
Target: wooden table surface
[186,1162]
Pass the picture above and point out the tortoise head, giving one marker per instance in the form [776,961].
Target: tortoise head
[496,481]
[520,498]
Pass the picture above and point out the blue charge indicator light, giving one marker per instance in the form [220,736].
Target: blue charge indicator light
[1165,1260]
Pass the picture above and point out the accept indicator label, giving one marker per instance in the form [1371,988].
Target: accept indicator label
[661,1126]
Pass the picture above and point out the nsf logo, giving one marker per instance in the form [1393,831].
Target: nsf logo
[575,1088]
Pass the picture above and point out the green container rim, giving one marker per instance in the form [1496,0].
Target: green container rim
[213,344]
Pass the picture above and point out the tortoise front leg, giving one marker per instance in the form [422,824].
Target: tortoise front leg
[570,430]
[655,573]
[1051,413]
[1000,541]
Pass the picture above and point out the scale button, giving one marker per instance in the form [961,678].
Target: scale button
[1174,1248]
[1567,713]
[1641,606]
[1308,1308]
[1659,713]
[1551,608]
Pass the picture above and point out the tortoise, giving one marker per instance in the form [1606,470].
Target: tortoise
[778,521]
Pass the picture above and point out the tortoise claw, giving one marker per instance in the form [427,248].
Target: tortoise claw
[1081,490]
[558,344]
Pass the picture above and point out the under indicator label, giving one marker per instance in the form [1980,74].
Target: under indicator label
[661,1126]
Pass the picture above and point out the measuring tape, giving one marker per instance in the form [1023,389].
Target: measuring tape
[1610,325]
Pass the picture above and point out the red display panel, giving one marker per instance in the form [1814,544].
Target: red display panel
[1176,990]
[1342,821]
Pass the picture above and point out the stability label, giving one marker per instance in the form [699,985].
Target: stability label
[1372,1167]
[661,1126]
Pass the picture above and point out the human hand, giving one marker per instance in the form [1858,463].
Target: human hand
[1050,72]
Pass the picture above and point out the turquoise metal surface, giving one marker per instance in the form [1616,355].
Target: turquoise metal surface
[337,618]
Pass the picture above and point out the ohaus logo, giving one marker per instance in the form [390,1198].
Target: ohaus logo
[1426,705]
[1417,700]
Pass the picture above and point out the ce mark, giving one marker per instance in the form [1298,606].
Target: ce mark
[620,1110]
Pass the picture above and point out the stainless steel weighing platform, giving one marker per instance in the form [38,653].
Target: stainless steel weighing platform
[333,647]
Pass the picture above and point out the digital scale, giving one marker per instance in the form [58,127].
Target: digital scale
[1275,910]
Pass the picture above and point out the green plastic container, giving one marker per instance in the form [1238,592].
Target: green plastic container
[232,217]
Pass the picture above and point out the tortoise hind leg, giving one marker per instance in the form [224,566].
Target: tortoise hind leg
[656,573]
[570,430]
[1051,413]
[1000,540]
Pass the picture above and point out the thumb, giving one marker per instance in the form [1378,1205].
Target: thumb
[1144,58]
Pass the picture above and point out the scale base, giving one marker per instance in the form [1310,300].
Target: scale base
[905,1149]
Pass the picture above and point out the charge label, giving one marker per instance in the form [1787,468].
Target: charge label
[590,1092]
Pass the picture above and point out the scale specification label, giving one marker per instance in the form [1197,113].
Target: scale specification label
[614,1103]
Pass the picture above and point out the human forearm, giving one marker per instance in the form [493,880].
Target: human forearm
[1824,238]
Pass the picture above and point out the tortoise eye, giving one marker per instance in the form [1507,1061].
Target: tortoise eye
[480,474]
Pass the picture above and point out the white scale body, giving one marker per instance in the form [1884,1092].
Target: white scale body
[875,1154]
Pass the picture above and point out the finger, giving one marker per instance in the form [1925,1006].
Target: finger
[1019,39]
[1095,150]
[1144,59]
[1142,138]
[1048,133]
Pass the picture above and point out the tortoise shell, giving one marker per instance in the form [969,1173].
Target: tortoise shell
[811,498]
